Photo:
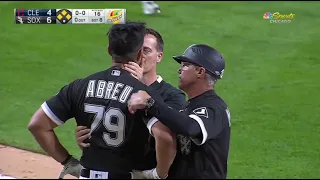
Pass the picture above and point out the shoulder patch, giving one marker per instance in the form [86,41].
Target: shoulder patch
[202,111]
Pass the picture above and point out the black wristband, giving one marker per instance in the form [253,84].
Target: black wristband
[66,160]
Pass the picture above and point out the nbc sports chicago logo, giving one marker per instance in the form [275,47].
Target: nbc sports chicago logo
[277,17]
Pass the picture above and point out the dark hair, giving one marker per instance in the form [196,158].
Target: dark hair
[125,40]
[156,34]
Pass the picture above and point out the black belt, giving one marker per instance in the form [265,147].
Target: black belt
[111,175]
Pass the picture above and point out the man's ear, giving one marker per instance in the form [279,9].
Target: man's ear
[109,51]
[159,57]
[201,72]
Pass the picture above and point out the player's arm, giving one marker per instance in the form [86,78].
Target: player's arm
[188,125]
[165,139]
[203,124]
[51,114]
[178,122]
[41,127]
[165,146]
[175,101]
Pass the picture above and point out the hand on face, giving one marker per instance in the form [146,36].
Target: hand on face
[135,70]
[138,101]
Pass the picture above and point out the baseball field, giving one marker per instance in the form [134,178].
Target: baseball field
[270,83]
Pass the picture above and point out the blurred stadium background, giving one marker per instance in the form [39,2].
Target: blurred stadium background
[270,84]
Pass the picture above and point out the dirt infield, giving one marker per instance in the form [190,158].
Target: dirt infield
[23,164]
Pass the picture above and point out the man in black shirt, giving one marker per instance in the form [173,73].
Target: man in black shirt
[99,101]
[203,124]
[153,47]
[173,97]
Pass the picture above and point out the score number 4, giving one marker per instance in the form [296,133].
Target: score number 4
[49,18]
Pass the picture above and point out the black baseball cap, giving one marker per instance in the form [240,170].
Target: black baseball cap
[204,56]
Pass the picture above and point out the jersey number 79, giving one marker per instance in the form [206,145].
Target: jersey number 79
[105,116]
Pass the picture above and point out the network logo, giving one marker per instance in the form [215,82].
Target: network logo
[277,17]
[267,15]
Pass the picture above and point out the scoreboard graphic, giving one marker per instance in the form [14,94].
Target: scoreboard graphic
[69,16]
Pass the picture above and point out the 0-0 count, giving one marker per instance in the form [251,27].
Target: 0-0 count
[82,12]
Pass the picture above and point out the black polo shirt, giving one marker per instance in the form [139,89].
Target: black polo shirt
[203,135]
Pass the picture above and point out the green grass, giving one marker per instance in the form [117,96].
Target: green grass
[270,84]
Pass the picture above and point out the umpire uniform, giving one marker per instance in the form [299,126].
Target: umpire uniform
[202,125]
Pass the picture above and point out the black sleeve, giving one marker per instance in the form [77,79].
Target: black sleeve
[212,121]
[202,124]
[176,100]
[178,122]
[59,107]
